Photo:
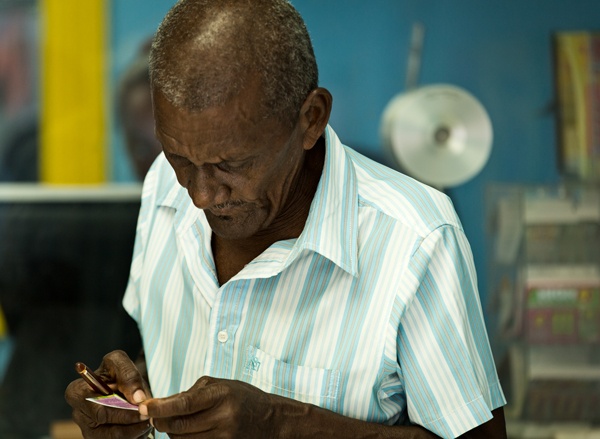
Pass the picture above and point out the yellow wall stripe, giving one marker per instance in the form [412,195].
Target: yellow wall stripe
[73,120]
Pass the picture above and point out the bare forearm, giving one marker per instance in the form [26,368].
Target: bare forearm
[309,421]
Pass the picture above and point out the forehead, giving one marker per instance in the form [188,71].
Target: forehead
[236,122]
[227,132]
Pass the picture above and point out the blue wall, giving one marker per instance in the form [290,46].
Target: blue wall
[132,23]
[497,50]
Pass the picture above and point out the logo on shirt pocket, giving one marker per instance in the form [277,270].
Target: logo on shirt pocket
[306,384]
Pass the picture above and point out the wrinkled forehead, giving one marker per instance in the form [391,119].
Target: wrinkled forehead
[239,120]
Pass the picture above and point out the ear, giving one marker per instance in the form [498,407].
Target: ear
[314,116]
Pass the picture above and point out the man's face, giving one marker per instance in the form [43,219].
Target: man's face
[237,166]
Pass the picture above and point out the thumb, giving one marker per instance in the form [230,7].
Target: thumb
[128,379]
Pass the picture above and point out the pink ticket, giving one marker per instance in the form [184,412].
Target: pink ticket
[115,401]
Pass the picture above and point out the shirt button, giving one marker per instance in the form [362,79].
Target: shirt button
[222,336]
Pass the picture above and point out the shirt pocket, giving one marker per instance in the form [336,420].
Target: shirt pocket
[306,384]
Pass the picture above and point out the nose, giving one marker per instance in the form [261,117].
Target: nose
[205,189]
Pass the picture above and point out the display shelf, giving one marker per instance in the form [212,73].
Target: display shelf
[544,276]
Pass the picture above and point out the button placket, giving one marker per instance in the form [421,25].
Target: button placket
[226,316]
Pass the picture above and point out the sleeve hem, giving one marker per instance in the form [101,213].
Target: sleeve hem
[467,417]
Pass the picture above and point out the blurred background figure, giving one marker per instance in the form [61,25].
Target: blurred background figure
[15,71]
[19,125]
[134,113]
[19,114]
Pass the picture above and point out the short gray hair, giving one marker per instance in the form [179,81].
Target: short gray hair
[204,52]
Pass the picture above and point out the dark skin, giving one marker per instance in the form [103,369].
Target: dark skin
[97,421]
[215,407]
[255,180]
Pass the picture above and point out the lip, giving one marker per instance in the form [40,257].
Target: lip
[222,212]
[225,211]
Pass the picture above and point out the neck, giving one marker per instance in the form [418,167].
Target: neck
[290,223]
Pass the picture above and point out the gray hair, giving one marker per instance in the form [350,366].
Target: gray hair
[205,51]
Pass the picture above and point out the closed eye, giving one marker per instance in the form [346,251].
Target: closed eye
[232,166]
[225,166]
[177,159]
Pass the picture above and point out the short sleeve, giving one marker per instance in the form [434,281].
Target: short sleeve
[131,299]
[449,374]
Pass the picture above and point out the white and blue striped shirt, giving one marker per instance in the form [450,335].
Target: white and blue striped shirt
[373,312]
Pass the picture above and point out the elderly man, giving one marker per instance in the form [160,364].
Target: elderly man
[284,285]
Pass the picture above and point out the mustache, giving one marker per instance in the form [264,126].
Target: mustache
[228,204]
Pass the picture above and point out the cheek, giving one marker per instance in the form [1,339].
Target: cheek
[259,188]
[279,183]
[249,190]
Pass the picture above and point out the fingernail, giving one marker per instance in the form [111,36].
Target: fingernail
[152,422]
[143,411]
[139,396]
[144,418]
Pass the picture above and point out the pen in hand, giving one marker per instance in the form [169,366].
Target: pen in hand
[96,383]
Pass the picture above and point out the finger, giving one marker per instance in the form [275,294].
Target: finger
[186,425]
[101,414]
[91,430]
[200,397]
[140,430]
[96,414]
[120,369]
[76,392]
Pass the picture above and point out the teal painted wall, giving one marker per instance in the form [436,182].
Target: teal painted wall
[497,50]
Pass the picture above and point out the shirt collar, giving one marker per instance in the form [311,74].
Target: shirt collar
[332,225]
[171,194]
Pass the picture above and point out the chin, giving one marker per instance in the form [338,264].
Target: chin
[230,228]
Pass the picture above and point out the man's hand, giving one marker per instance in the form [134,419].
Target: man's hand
[225,408]
[214,407]
[97,421]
